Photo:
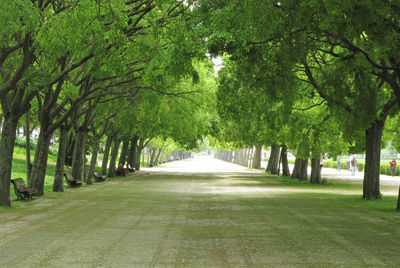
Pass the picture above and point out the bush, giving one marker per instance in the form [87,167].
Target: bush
[53,151]
[21,142]
[384,168]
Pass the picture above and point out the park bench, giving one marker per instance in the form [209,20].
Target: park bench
[130,169]
[21,190]
[99,178]
[72,183]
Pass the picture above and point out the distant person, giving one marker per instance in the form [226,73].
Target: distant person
[393,166]
[353,163]
[120,170]
[339,162]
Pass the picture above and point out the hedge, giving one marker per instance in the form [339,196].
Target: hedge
[384,168]
[21,142]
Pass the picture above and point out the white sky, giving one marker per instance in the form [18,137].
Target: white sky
[218,63]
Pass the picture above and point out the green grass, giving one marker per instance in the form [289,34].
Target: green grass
[202,221]
[19,169]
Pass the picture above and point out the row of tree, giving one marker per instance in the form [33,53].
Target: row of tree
[317,77]
[83,70]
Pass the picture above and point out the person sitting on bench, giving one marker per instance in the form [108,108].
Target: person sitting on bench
[120,170]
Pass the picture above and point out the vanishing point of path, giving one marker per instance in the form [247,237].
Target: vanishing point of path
[198,212]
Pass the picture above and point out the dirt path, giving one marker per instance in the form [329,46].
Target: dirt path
[197,213]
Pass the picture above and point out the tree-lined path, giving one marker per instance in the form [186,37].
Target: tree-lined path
[201,212]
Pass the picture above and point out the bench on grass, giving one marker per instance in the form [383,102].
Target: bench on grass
[130,169]
[21,190]
[72,183]
[99,178]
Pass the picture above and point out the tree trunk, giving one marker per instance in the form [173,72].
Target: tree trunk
[58,185]
[114,155]
[251,157]
[138,162]
[315,171]
[69,151]
[257,157]
[40,162]
[273,159]
[84,161]
[302,176]
[158,156]
[398,200]
[93,160]
[285,163]
[296,168]
[153,155]
[133,151]
[28,148]
[124,151]
[149,151]
[78,161]
[279,164]
[105,155]
[372,161]
[6,155]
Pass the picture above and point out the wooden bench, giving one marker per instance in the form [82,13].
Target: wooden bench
[72,183]
[21,190]
[99,178]
[130,169]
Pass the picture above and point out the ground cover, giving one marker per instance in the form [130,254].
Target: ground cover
[233,218]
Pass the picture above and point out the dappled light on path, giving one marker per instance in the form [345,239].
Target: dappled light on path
[200,212]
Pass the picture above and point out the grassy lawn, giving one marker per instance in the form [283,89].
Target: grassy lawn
[216,220]
[19,169]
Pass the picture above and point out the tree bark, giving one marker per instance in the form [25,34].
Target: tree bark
[158,156]
[69,151]
[124,151]
[58,185]
[153,155]
[78,161]
[149,151]
[139,149]
[251,157]
[398,201]
[40,162]
[7,143]
[302,176]
[285,163]
[28,148]
[257,157]
[133,151]
[138,162]
[114,155]
[273,159]
[315,171]
[296,168]
[105,155]
[371,185]
[93,160]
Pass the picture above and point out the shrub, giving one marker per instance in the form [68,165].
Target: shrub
[53,151]
[21,142]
